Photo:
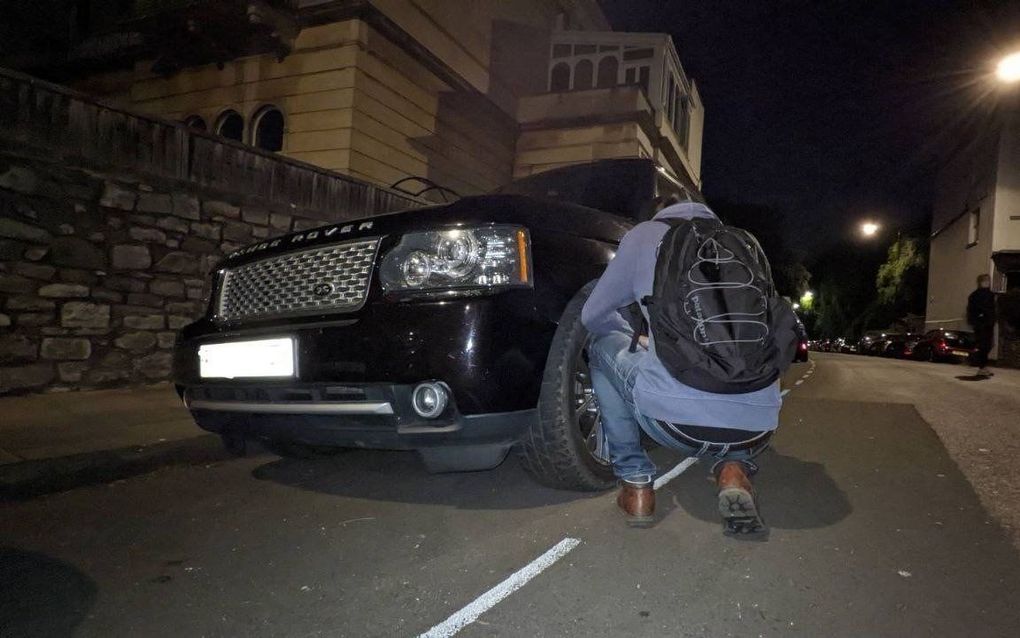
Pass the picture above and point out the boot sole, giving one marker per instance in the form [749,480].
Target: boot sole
[740,513]
[641,522]
[636,521]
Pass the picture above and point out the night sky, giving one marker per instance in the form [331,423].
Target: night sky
[833,111]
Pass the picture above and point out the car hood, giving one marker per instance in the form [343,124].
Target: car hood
[538,215]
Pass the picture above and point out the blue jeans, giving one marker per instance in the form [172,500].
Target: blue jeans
[613,375]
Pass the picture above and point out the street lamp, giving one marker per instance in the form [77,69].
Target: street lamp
[1008,70]
[869,229]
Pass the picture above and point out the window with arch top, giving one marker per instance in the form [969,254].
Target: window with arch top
[196,122]
[231,125]
[609,68]
[267,129]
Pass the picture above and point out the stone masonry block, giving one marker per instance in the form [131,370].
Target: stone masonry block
[130,257]
[155,203]
[66,349]
[26,302]
[147,234]
[116,196]
[186,206]
[17,348]
[255,216]
[178,262]
[81,314]
[14,229]
[214,207]
[167,288]
[145,322]
[64,290]
[136,341]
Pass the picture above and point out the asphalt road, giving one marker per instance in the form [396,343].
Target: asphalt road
[877,530]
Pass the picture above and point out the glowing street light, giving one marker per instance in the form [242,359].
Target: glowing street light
[1008,70]
[869,229]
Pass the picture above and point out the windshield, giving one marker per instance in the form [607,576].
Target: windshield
[627,187]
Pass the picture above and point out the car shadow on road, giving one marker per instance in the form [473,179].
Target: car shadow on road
[41,596]
[780,491]
[401,477]
[973,377]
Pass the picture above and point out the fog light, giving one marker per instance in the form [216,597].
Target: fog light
[430,399]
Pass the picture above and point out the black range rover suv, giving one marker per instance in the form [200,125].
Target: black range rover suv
[452,330]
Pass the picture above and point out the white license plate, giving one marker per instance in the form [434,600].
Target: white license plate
[245,359]
[961,353]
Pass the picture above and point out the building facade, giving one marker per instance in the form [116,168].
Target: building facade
[467,95]
[976,223]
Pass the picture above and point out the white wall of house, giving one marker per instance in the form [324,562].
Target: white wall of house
[977,214]
[966,185]
[1007,198]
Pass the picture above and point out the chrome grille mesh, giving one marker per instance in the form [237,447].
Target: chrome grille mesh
[330,278]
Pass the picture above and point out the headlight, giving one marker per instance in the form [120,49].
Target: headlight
[477,258]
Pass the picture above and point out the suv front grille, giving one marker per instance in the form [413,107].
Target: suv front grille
[327,279]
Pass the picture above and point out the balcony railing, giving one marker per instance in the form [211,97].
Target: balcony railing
[581,60]
[74,128]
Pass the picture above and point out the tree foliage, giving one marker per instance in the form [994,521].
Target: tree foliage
[898,278]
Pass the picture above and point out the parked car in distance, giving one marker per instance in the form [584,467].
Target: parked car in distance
[866,343]
[900,346]
[877,346]
[944,345]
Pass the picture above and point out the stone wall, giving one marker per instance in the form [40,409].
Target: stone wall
[97,273]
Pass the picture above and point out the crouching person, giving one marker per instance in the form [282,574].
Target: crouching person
[699,371]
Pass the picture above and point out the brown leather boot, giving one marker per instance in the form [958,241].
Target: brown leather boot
[737,501]
[637,503]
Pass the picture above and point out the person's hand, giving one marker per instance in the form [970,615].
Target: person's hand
[643,341]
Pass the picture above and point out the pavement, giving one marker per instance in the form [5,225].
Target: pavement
[881,526]
[51,442]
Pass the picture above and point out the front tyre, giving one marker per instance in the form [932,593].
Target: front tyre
[565,448]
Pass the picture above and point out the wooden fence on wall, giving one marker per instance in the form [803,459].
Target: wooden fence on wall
[73,127]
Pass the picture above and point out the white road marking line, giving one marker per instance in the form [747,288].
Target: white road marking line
[784,392]
[799,381]
[675,472]
[491,598]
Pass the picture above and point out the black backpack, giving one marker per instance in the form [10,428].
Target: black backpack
[717,322]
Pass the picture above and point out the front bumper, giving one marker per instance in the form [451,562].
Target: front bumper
[368,416]
[355,375]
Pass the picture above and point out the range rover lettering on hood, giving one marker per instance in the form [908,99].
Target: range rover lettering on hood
[301,238]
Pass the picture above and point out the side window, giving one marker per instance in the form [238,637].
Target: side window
[584,75]
[231,126]
[559,80]
[267,129]
[196,122]
[973,227]
[609,68]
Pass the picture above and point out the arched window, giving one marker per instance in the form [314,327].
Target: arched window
[231,126]
[584,73]
[560,78]
[609,68]
[196,122]
[267,129]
